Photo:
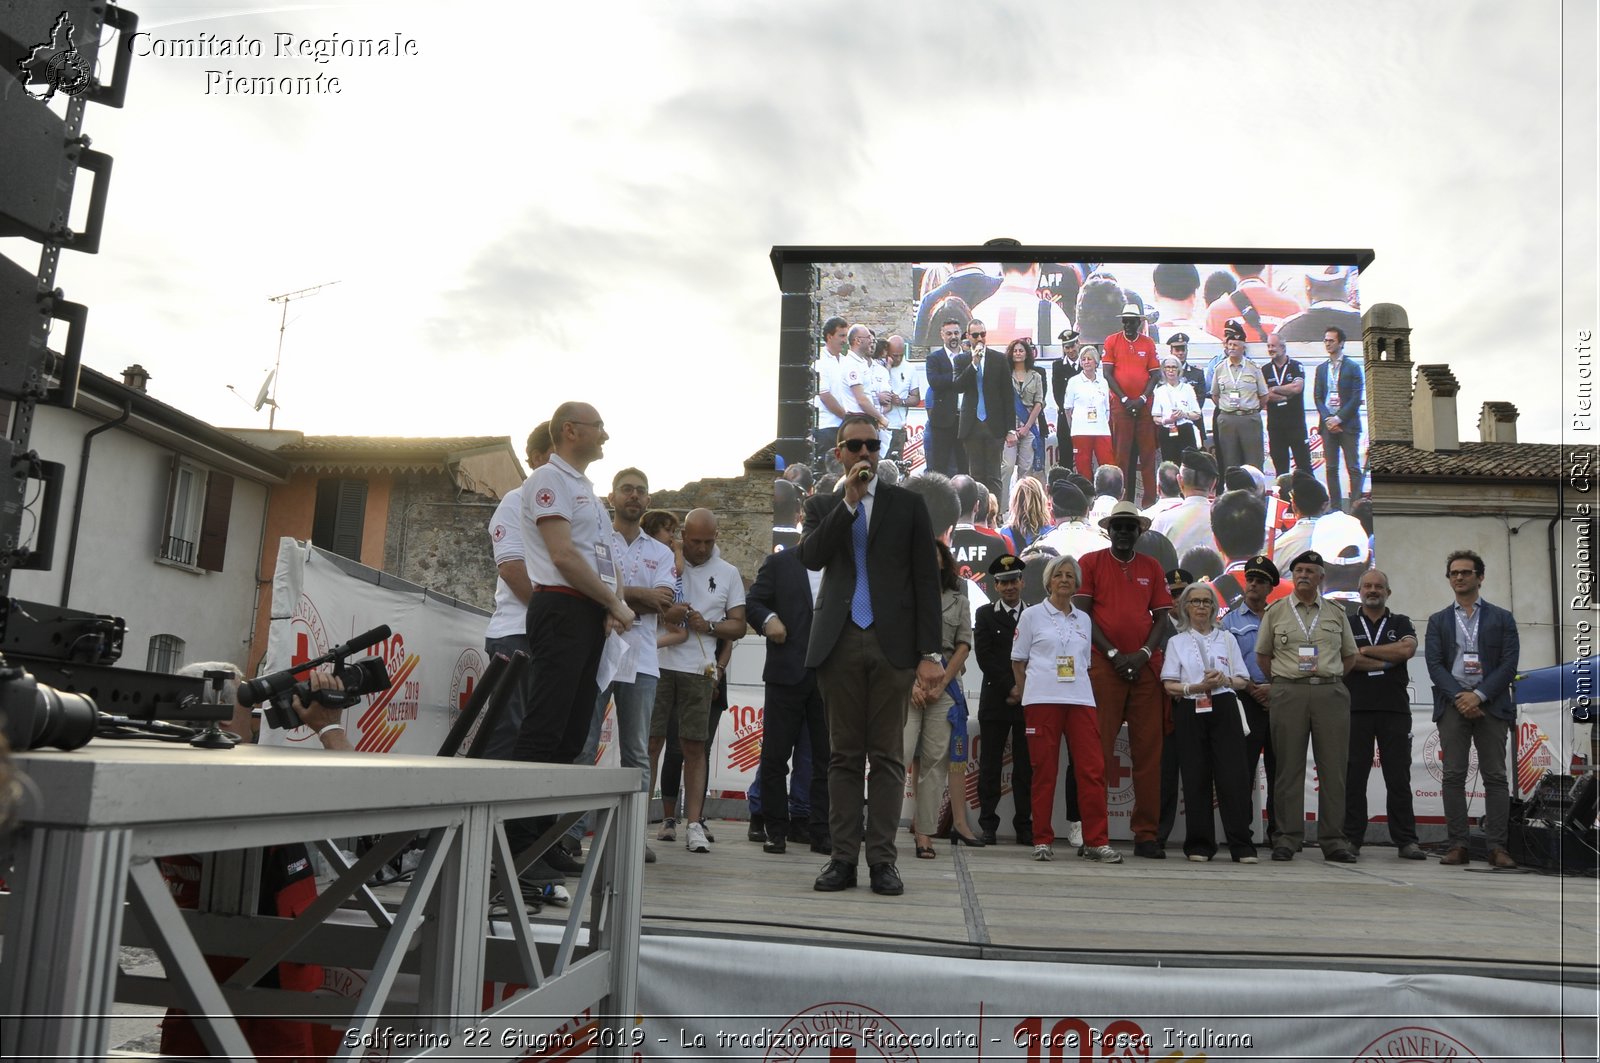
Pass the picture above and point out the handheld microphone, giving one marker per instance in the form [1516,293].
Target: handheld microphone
[863,474]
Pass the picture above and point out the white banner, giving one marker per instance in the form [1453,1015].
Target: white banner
[1543,743]
[756,1001]
[434,654]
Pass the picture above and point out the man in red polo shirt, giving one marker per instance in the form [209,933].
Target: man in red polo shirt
[1128,361]
[1125,595]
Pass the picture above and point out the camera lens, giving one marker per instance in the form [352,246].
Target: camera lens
[37,715]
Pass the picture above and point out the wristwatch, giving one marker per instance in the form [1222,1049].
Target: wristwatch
[934,657]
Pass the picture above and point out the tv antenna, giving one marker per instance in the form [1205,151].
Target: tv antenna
[263,398]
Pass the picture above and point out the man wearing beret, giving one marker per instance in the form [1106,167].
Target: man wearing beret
[1061,374]
[1243,622]
[1238,388]
[1000,712]
[1305,644]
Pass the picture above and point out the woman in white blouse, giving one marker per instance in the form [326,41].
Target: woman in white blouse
[1087,411]
[1202,670]
[1175,412]
[1050,663]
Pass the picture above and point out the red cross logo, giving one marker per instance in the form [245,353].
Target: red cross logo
[1117,772]
[545,498]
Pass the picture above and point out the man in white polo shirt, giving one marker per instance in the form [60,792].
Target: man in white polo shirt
[574,603]
[508,627]
[715,593]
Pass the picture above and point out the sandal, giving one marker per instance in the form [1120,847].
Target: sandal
[926,852]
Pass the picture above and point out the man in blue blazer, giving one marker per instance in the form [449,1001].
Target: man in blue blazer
[1472,650]
[939,443]
[988,407]
[778,607]
[1340,389]
[874,634]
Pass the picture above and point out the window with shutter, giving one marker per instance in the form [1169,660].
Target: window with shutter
[186,491]
[340,516]
[214,521]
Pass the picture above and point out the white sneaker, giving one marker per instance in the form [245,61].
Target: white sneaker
[1074,833]
[1199,858]
[669,830]
[1103,853]
[697,839]
[557,896]
[1043,852]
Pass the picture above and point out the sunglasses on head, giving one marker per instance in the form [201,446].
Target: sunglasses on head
[854,445]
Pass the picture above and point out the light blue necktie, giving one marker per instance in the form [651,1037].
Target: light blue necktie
[861,600]
[977,364]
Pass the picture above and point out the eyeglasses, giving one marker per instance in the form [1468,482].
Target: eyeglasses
[632,489]
[854,445]
[1458,572]
[598,425]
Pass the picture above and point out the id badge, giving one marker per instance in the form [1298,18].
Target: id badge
[1307,656]
[1471,664]
[604,565]
[1333,401]
[1066,667]
[1172,430]
[1234,396]
[1202,703]
[1094,415]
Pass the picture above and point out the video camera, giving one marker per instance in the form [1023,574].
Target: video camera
[279,689]
[34,714]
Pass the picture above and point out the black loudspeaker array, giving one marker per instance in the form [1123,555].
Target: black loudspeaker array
[799,336]
[57,57]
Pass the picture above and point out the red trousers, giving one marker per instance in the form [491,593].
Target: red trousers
[1095,447]
[1134,440]
[1080,726]
[1140,704]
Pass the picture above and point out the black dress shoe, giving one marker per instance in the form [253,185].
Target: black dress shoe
[822,843]
[1282,854]
[837,876]
[1025,836]
[758,829]
[1341,856]
[1150,850]
[886,880]
[989,838]
[775,843]
[559,859]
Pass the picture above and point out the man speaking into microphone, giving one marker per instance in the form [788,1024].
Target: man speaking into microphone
[875,634]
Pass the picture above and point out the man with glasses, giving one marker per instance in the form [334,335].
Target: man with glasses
[1238,388]
[1472,651]
[575,602]
[988,407]
[1243,622]
[941,450]
[1286,411]
[875,634]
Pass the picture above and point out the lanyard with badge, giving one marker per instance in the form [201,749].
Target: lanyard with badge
[1372,639]
[1471,663]
[1235,393]
[604,563]
[1204,646]
[1066,663]
[1279,374]
[1306,655]
[1333,385]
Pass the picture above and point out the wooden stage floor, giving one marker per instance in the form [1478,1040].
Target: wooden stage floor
[1383,914]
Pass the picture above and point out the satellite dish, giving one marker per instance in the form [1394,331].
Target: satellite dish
[261,396]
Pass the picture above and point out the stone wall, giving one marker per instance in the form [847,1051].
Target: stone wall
[743,506]
[438,540]
[875,294]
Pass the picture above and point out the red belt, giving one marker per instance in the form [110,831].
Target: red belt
[542,588]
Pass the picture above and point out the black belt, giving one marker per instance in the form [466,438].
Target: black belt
[1314,680]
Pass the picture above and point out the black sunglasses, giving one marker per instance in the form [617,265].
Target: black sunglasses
[854,445]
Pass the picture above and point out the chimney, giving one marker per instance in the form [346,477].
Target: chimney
[1433,409]
[1386,359]
[136,377]
[1497,423]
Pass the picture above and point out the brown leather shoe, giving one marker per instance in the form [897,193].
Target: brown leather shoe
[1456,856]
[1501,859]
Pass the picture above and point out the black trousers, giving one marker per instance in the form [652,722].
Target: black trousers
[789,711]
[1171,783]
[992,735]
[1173,444]
[1211,754]
[1391,731]
[1258,745]
[565,636]
[1284,442]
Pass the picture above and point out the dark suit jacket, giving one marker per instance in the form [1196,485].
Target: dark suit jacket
[782,589]
[992,631]
[1351,391]
[903,572]
[1061,374]
[944,406]
[1498,649]
[999,396]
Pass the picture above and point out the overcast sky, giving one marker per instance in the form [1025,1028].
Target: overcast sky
[577,201]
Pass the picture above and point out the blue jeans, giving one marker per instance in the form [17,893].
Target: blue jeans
[634,702]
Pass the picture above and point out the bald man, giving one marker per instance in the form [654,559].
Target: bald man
[688,660]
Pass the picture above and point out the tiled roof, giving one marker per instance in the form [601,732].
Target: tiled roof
[1499,461]
[378,446]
